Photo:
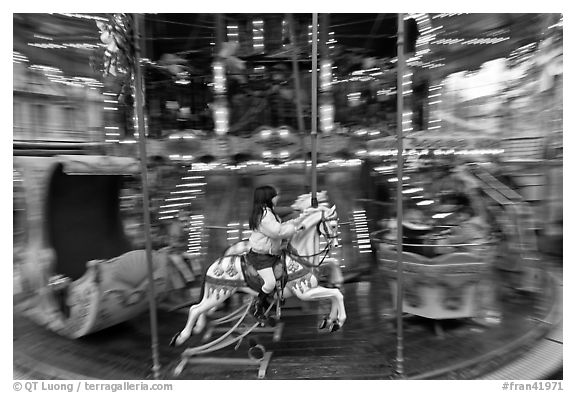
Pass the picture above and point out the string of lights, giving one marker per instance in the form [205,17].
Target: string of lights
[84,16]
[148,17]
[359,22]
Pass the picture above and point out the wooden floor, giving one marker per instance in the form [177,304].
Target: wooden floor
[365,348]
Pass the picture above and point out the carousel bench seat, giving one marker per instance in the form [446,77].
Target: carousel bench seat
[443,287]
[112,291]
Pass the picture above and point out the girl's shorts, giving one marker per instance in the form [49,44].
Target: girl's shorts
[261,261]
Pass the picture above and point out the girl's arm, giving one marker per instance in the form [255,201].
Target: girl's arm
[298,220]
[275,230]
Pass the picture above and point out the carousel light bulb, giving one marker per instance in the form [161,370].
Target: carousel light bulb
[325,75]
[219,78]
[326,117]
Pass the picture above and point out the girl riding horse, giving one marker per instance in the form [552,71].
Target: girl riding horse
[266,240]
[226,275]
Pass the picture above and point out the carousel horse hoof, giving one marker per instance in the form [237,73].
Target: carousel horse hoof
[335,327]
[323,324]
[271,321]
[173,340]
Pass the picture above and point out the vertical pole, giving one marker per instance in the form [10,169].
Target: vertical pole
[399,136]
[324,27]
[326,118]
[295,72]
[313,134]
[143,163]
[297,88]
[219,32]
[220,104]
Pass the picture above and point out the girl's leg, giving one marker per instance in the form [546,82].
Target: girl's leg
[267,275]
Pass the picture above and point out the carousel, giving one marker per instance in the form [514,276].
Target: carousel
[79,271]
[85,267]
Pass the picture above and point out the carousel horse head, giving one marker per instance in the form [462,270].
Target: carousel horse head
[327,219]
[322,222]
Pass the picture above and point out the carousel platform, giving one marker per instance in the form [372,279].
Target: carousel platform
[524,342]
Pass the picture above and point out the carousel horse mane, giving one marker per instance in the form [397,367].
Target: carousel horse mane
[304,201]
[322,211]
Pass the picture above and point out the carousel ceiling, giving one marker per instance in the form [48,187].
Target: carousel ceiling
[515,30]
[65,38]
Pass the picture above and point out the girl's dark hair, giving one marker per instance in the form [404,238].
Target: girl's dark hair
[262,199]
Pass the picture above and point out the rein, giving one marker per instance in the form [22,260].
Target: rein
[302,259]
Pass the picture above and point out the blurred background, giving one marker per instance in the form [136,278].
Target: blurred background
[227,107]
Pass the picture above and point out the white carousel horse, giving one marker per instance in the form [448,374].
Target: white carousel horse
[335,277]
[225,276]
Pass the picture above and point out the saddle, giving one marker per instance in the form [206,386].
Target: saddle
[253,279]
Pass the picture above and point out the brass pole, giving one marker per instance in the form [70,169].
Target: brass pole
[297,89]
[399,218]
[143,163]
[314,135]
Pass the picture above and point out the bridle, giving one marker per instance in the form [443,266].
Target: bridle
[322,229]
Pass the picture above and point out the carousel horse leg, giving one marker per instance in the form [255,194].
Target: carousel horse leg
[196,312]
[200,324]
[337,315]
